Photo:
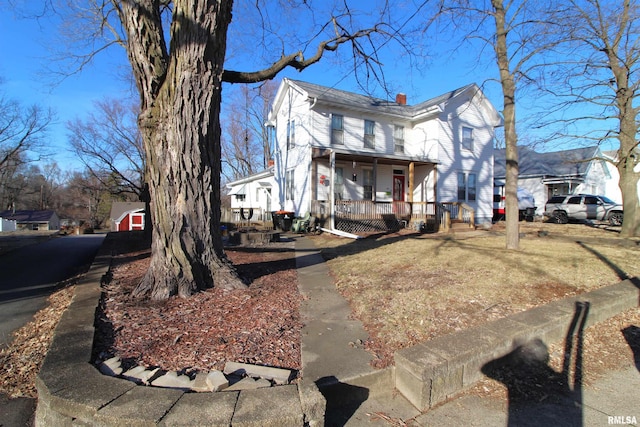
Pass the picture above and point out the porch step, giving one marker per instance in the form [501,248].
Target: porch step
[460,227]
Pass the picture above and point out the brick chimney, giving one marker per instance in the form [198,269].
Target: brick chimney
[401,99]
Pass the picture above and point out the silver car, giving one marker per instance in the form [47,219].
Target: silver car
[561,209]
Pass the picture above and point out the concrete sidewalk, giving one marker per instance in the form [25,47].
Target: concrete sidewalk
[357,394]
[351,393]
[613,399]
[332,353]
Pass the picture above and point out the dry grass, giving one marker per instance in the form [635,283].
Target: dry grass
[408,288]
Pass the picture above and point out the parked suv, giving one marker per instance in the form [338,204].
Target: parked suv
[561,209]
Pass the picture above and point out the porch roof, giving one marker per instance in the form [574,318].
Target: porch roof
[367,157]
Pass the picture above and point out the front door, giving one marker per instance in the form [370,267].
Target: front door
[398,194]
[398,188]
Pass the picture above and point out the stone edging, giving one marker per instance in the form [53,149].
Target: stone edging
[430,373]
[71,390]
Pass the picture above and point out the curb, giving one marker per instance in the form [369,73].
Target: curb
[71,391]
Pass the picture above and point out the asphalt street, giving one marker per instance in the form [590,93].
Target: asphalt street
[28,275]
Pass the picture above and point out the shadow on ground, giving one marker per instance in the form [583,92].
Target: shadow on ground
[537,394]
[343,400]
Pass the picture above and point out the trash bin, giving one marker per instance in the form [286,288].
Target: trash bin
[286,221]
[529,213]
[276,218]
[282,220]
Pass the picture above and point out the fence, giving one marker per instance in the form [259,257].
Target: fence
[361,216]
[246,215]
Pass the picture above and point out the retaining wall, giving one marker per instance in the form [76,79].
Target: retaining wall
[429,373]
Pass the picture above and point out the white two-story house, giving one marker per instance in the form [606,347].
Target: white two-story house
[363,164]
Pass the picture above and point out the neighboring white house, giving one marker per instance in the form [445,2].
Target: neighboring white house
[361,162]
[580,170]
[252,196]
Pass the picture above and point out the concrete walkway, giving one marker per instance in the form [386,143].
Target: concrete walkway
[332,353]
[334,362]
[357,394]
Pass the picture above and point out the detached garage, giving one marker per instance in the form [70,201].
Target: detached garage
[127,216]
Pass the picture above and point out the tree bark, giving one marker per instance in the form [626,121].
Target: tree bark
[180,93]
[180,125]
[627,162]
[507,81]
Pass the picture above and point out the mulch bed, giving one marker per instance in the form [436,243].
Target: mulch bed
[259,325]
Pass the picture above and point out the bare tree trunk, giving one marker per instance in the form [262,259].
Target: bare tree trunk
[619,61]
[180,126]
[511,139]
[627,161]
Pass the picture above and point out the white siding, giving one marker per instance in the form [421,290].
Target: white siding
[453,158]
[419,142]
[297,157]
[601,178]
[435,138]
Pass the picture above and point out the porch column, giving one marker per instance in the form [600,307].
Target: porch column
[314,181]
[411,180]
[375,180]
[332,195]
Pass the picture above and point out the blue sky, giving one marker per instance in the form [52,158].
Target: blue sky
[26,47]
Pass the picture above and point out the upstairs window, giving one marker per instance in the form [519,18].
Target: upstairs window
[398,139]
[337,129]
[467,138]
[369,134]
[291,134]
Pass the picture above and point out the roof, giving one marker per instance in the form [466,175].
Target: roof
[334,96]
[24,216]
[119,209]
[261,177]
[574,162]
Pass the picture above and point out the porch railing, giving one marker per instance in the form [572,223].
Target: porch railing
[361,216]
[235,216]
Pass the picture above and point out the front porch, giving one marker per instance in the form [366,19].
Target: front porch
[366,216]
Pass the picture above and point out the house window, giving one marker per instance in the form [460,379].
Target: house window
[467,188]
[291,134]
[289,185]
[240,197]
[367,184]
[398,139]
[337,129]
[338,184]
[369,134]
[467,138]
